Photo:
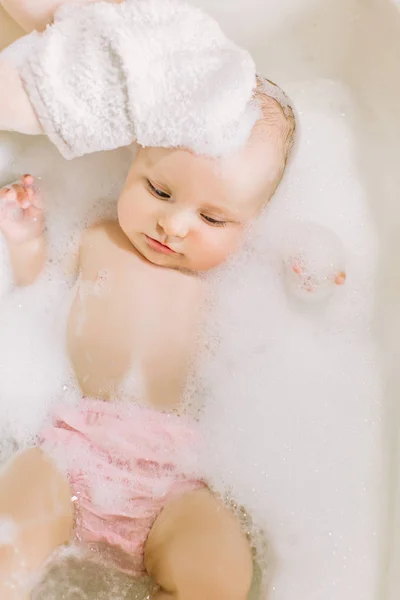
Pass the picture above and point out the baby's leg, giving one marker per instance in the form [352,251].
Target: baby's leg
[196,551]
[36,14]
[16,111]
[35,518]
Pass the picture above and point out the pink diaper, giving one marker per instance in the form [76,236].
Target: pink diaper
[124,463]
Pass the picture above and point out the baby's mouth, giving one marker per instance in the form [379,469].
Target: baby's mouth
[158,246]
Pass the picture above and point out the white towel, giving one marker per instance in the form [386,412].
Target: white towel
[159,72]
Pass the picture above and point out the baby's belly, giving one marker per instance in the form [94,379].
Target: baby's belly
[100,349]
[100,371]
[113,360]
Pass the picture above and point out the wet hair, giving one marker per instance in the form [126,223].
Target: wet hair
[277,118]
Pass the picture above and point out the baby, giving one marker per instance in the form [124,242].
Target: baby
[121,477]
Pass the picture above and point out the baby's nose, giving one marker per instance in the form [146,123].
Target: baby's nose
[176,225]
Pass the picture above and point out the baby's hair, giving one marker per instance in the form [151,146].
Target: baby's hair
[277,115]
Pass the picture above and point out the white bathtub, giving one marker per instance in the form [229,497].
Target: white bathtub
[356,42]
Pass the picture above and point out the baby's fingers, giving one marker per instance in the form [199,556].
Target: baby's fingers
[27,180]
[24,195]
[9,207]
[10,211]
[33,195]
[35,198]
[33,213]
[8,195]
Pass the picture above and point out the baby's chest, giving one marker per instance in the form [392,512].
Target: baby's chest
[126,318]
[107,314]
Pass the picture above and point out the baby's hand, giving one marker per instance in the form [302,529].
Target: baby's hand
[21,214]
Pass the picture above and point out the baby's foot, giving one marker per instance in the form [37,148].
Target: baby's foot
[298,267]
[21,214]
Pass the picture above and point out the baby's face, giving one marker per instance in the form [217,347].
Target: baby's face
[188,212]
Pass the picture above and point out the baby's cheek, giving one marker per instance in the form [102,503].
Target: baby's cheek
[131,212]
[220,246]
[230,241]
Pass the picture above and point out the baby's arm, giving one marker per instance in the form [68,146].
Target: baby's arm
[31,14]
[36,14]
[16,111]
[22,224]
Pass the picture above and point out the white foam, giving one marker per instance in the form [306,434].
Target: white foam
[292,418]
[34,368]
[292,384]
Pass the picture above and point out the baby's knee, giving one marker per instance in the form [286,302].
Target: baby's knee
[199,551]
[203,571]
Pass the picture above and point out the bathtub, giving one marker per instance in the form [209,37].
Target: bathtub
[356,42]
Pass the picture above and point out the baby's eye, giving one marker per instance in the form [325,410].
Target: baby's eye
[215,222]
[158,192]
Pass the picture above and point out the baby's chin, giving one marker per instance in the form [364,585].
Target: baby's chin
[182,263]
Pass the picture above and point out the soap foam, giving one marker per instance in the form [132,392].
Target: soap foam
[292,412]
[292,389]
[34,368]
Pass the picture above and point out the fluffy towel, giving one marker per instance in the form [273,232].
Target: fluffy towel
[159,72]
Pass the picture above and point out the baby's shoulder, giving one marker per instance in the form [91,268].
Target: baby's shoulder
[98,240]
[85,247]
[100,234]
[99,230]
